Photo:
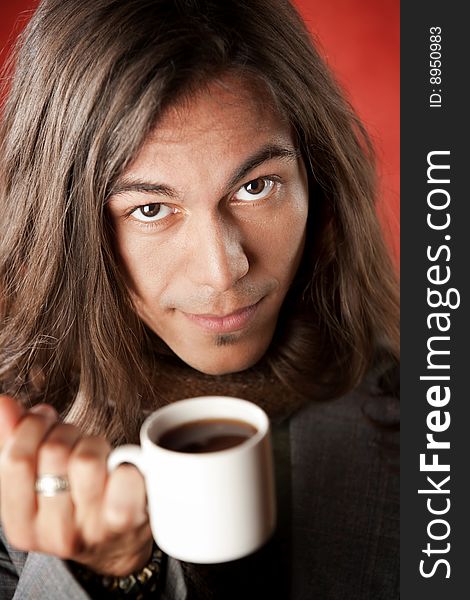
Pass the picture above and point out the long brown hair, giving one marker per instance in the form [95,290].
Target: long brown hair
[88,82]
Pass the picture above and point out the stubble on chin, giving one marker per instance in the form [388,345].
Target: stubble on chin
[225,340]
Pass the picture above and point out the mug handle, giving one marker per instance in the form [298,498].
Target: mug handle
[129,453]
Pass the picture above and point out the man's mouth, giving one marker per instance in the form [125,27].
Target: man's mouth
[233,321]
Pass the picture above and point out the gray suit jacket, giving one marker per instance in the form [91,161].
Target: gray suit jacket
[338,530]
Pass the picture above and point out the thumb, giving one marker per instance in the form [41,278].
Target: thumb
[10,413]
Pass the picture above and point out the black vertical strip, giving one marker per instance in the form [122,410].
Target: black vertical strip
[432,124]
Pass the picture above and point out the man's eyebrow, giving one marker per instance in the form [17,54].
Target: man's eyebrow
[126,184]
[264,154]
[268,152]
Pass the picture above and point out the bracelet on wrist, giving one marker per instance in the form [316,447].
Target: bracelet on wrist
[135,586]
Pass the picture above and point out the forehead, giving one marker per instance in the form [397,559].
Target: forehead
[232,113]
[220,105]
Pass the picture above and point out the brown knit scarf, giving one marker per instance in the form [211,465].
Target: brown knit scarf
[176,381]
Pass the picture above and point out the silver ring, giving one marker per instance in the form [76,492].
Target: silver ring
[51,485]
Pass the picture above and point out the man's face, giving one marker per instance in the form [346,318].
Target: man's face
[210,225]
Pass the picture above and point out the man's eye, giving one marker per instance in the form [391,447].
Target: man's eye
[257,189]
[151,212]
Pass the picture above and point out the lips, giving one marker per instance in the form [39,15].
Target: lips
[234,321]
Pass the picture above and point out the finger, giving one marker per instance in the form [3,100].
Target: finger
[55,524]
[87,476]
[10,414]
[18,476]
[125,505]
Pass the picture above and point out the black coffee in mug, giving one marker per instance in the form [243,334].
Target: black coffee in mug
[206,435]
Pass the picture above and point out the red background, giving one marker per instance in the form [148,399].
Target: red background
[360,39]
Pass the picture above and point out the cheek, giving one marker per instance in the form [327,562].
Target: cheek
[144,267]
[282,240]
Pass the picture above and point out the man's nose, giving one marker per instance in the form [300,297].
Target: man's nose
[216,258]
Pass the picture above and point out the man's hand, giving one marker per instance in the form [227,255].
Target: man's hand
[101,522]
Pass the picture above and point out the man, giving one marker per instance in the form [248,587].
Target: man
[189,207]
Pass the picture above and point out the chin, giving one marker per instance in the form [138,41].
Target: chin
[226,361]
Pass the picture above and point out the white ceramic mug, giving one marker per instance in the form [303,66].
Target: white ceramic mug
[206,507]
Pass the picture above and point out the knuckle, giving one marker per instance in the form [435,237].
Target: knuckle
[54,451]
[90,451]
[19,464]
[119,519]
[85,462]
[86,468]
